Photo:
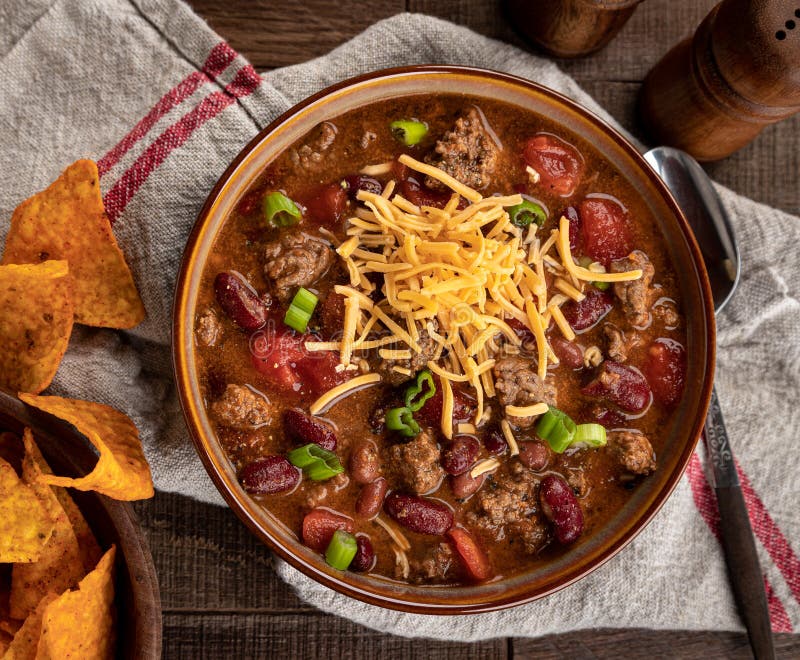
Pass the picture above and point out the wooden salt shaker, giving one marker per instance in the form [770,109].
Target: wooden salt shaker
[570,28]
[714,92]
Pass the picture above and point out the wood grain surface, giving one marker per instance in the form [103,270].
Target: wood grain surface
[220,595]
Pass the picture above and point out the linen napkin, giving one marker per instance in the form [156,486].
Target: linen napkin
[148,90]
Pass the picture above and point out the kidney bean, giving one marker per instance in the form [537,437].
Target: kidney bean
[568,352]
[240,301]
[587,313]
[365,555]
[304,429]
[621,385]
[461,454]
[370,499]
[269,475]
[365,462]
[561,508]
[356,182]
[419,514]
[494,441]
[325,204]
[534,455]
[571,214]
[431,412]
[319,526]
[472,556]
[464,485]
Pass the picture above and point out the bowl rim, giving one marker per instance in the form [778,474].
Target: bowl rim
[377,595]
[64,443]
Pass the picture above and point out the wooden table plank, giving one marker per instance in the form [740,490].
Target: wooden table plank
[303,636]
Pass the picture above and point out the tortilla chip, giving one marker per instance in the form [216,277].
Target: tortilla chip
[121,471]
[60,565]
[25,526]
[79,624]
[68,221]
[35,324]
[26,641]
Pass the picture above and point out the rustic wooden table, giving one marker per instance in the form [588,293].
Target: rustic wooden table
[220,595]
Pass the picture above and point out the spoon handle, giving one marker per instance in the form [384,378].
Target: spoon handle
[737,536]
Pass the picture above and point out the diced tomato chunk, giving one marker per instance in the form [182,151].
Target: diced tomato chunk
[605,232]
[472,556]
[587,313]
[665,370]
[325,205]
[559,164]
[319,526]
[279,355]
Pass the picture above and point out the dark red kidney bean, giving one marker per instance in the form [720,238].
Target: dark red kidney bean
[319,525]
[431,412]
[421,195]
[534,455]
[621,385]
[571,214]
[461,454]
[365,462]
[419,514]
[269,475]
[365,555]
[568,352]
[240,301]
[494,441]
[465,484]
[587,313]
[665,369]
[521,330]
[303,429]
[356,182]
[560,507]
[370,499]
[611,419]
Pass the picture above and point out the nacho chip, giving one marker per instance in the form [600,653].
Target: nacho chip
[60,565]
[25,526]
[68,221]
[26,642]
[121,471]
[79,624]
[35,324]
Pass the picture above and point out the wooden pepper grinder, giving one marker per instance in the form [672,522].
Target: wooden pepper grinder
[714,92]
[569,28]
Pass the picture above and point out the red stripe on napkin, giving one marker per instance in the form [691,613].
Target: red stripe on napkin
[771,536]
[245,82]
[706,504]
[218,60]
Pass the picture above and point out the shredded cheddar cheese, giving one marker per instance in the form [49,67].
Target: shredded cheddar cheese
[456,278]
[513,447]
[486,465]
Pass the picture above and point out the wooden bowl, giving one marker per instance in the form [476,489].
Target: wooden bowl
[645,501]
[137,598]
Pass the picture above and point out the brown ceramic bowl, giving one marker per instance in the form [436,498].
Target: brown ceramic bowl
[693,282]
[137,598]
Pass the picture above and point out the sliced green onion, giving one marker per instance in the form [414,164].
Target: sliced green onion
[590,435]
[585,262]
[318,464]
[341,550]
[280,211]
[557,428]
[300,310]
[415,396]
[402,420]
[409,131]
[523,214]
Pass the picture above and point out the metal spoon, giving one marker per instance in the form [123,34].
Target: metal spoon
[694,193]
